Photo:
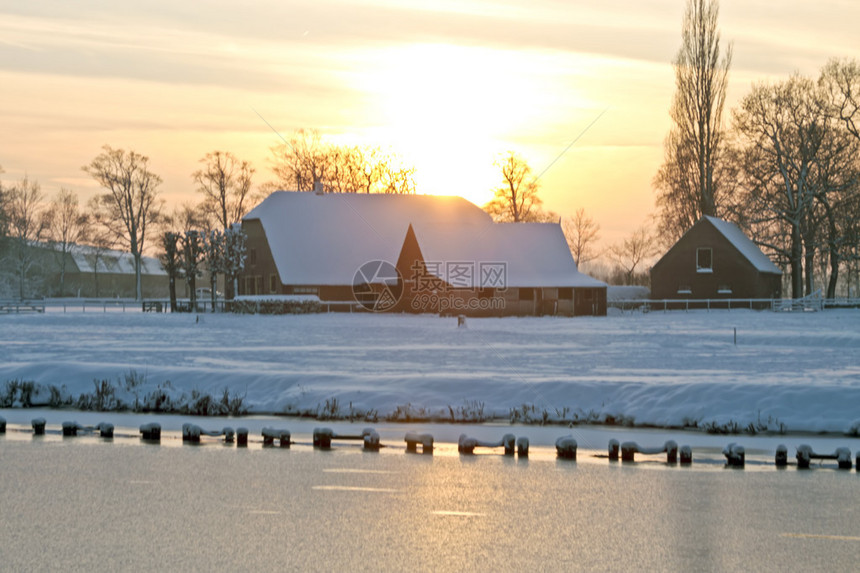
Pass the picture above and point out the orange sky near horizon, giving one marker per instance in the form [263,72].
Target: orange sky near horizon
[448,86]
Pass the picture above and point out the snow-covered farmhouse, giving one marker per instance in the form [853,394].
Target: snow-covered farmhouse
[411,253]
[715,260]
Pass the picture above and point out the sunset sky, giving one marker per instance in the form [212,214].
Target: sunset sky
[448,85]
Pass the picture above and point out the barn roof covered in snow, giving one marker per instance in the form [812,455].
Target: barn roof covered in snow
[744,245]
[324,239]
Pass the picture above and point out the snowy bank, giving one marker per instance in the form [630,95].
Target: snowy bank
[788,372]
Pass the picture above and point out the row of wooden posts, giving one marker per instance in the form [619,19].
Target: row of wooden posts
[566,446]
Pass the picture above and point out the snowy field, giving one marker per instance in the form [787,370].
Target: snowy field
[787,372]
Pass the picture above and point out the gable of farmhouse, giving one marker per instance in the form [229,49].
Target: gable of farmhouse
[715,259]
[448,252]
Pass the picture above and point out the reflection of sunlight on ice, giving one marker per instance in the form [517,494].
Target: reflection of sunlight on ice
[459,513]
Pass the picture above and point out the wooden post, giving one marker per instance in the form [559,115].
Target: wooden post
[105,429]
[804,456]
[241,437]
[371,441]
[229,435]
[461,321]
[70,428]
[466,445]
[686,455]
[781,458]
[322,438]
[843,458]
[523,447]
[628,451]
[38,426]
[284,438]
[411,440]
[671,452]
[426,444]
[191,433]
[2,425]
[151,432]
[509,440]
[735,455]
[565,448]
[613,449]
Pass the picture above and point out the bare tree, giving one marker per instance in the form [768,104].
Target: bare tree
[192,255]
[633,251]
[171,261]
[516,200]
[781,128]
[299,162]
[213,257]
[100,238]
[26,227]
[687,183]
[581,232]
[67,227]
[841,81]
[225,182]
[131,203]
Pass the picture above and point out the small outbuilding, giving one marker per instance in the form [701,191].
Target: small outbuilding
[715,260]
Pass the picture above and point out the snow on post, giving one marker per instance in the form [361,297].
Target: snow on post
[781,458]
[322,438]
[272,434]
[843,458]
[71,428]
[151,431]
[229,434]
[804,456]
[509,441]
[412,440]
[371,440]
[523,447]
[565,448]
[105,429]
[613,449]
[38,426]
[686,455]
[735,455]
[191,433]
[241,437]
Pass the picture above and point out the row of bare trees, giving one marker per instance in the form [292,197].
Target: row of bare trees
[787,169]
[305,159]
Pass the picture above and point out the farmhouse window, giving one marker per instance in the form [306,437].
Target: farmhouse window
[724,289]
[685,289]
[704,260]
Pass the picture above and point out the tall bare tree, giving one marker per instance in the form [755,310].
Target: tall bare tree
[131,203]
[687,183]
[581,232]
[225,183]
[26,226]
[67,227]
[172,262]
[516,200]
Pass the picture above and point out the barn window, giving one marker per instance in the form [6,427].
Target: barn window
[724,289]
[685,289]
[704,260]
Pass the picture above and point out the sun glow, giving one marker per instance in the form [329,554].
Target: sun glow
[452,110]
